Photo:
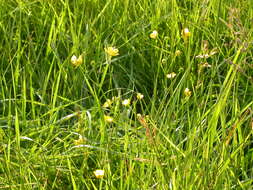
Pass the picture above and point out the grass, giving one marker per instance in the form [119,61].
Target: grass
[54,126]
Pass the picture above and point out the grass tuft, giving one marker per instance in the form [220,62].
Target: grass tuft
[126,95]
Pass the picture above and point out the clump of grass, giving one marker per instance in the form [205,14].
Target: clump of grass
[126,95]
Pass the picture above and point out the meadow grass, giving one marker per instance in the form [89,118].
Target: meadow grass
[171,111]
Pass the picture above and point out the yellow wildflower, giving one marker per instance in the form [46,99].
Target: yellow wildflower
[178,52]
[186,33]
[80,141]
[76,61]
[115,98]
[171,75]
[99,173]
[112,51]
[140,96]
[108,118]
[126,102]
[187,92]
[107,104]
[154,34]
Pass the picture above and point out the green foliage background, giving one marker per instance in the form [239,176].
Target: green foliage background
[46,104]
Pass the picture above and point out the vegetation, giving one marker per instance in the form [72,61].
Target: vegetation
[140,94]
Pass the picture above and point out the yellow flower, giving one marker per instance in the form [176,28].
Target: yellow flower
[186,33]
[126,102]
[107,104]
[99,173]
[138,115]
[112,51]
[178,52]
[171,75]
[114,98]
[80,141]
[187,92]
[108,118]
[140,96]
[76,61]
[154,34]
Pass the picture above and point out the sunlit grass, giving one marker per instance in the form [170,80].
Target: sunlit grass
[126,94]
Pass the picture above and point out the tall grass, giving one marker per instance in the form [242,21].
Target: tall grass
[54,126]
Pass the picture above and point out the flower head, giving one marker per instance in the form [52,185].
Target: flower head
[171,75]
[112,51]
[108,118]
[186,33]
[76,61]
[114,98]
[126,102]
[178,52]
[187,92]
[140,96]
[99,173]
[81,140]
[107,104]
[154,34]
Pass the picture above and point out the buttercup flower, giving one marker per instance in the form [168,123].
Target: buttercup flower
[154,34]
[112,51]
[107,104]
[126,102]
[99,173]
[187,92]
[76,61]
[186,33]
[115,98]
[140,96]
[178,52]
[81,140]
[108,118]
[171,75]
